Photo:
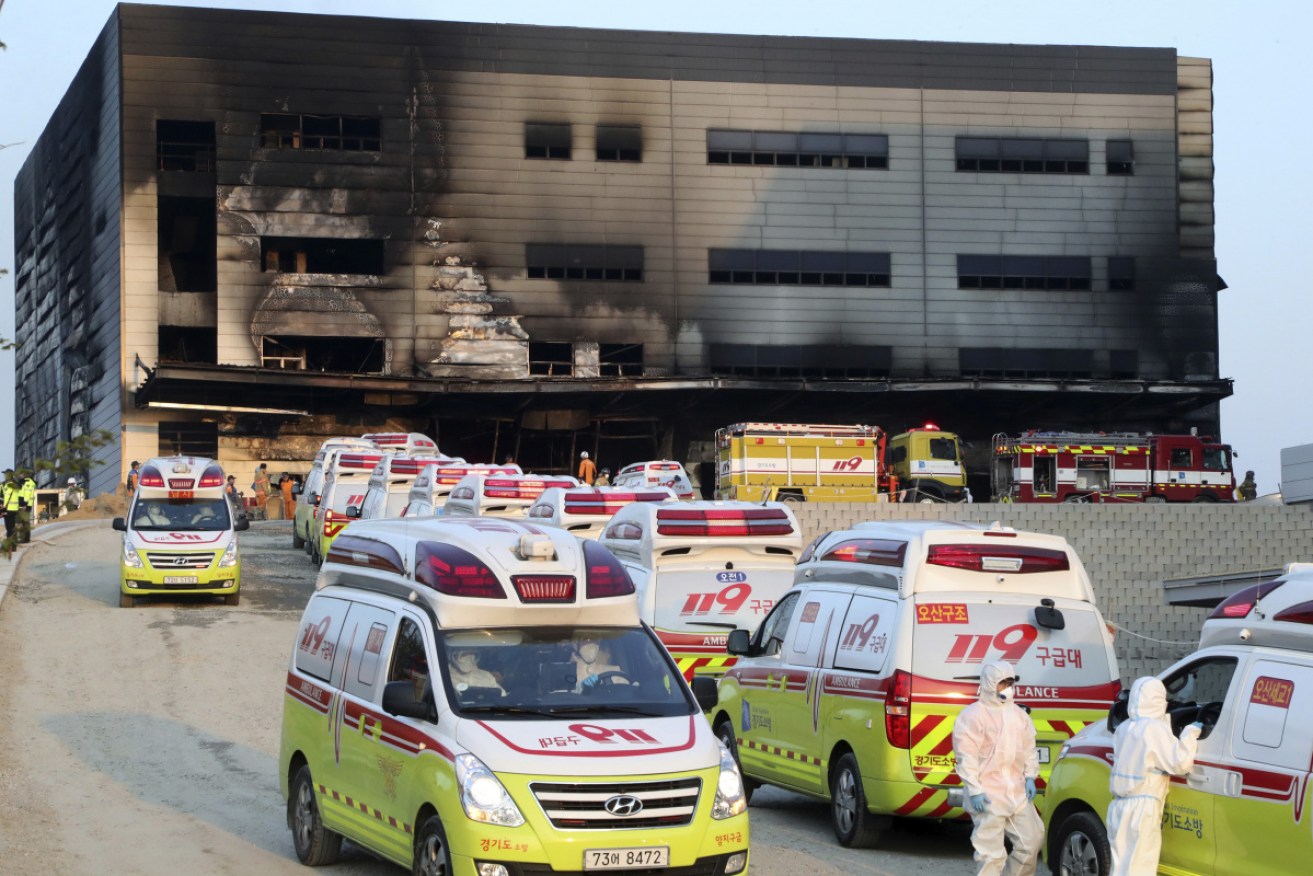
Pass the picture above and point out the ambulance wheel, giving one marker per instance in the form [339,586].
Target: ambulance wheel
[854,825]
[725,733]
[432,857]
[126,601]
[297,540]
[233,598]
[1081,847]
[315,844]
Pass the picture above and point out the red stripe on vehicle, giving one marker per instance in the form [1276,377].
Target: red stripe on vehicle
[924,726]
[915,803]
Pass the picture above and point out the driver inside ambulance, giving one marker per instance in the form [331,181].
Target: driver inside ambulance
[591,663]
[151,514]
[463,667]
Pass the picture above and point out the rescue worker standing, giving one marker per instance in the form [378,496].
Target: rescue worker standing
[1145,755]
[285,484]
[261,487]
[9,497]
[26,505]
[133,477]
[994,743]
[603,479]
[587,469]
[1248,490]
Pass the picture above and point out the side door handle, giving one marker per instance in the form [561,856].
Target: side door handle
[1198,778]
[1233,784]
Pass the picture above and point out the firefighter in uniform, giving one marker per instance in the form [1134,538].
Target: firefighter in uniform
[27,505]
[9,498]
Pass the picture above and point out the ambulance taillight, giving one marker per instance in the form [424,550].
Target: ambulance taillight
[150,477]
[606,577]
[723,522]
[455,572]
[1297,614]
[871,551]
[1239,604]
[898,710]
[998,558]
[212,477]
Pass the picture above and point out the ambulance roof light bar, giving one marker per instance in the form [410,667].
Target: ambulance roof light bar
[725,522]
[455,571]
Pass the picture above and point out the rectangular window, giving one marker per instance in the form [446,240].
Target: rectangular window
[322,255]
[1025,363]
[551,359]
[558,261]
[823,362]
[810,149]
[1023,272]
[1022,155]
[620,360]
[1121,158]
[187,237]
[1123,364]
[188,344]
[779,267]
[305,131]
[189,439]
[617,143]
[546,141]
[184,146]
[338,354]
[1121,273]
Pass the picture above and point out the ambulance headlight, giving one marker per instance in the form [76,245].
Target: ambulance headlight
[229,557]
[130,558]
[729,788]
[482,795]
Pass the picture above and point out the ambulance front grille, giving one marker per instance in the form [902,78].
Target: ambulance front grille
[161,561]
[582,805]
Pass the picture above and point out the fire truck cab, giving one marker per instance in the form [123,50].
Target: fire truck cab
[428,494]
[800,462]
[927,463]
[1110,467]
[585,511]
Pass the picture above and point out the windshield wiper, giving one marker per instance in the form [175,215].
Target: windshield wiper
[603,707]
[506,710]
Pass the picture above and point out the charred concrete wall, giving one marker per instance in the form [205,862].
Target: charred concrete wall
[66,247]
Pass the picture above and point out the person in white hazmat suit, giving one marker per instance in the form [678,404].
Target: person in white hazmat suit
[994,743]
[1145,755]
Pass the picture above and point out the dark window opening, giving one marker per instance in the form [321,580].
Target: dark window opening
[178,343]
[342,355]
[186,234]
[1121,158]
[844,361]
[547,141]
[184,146]
[773,267]
[620,360]
[616,143]
[811,149]
[1121,273]
[304,131]
[1123,364]
[1181,457]
[1022,155]
[1023,272]
[1053,363]
[553,261]
[551,359]
[189,439]
[322,255]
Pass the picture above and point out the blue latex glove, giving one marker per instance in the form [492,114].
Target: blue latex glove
[1199,724]
[978,803]
[1030,789]
[589,682]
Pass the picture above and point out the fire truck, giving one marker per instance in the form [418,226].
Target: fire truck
[1110,467]
[801,462]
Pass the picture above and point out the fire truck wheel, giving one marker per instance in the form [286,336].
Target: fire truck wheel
[315,844]
[1156,500]
[1076,498]
[792,498]
[1204,500]
[854,824]
[432,858]
[725,733]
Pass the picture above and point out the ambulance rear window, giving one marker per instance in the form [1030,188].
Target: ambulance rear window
[723,522]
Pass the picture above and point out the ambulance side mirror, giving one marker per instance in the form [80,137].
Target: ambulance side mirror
[1120,710]
[704,691]
[242,523]
[353,511]
[1049,617]
[314,499]
[739,642]
[120,525]
[399,699]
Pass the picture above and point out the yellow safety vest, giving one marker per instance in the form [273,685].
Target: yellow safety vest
[28,492]
[11,495]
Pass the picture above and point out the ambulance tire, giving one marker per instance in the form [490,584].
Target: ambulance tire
[432,855]
[233,598]
[126,601]
[316,845]
[854,824]
[297,540]
[1080,847]
[725,733]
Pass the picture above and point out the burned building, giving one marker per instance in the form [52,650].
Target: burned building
[242,232]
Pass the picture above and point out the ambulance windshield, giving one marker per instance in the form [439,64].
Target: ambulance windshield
[543,672]
[188,514]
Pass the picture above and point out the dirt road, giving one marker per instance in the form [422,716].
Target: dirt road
[145,740]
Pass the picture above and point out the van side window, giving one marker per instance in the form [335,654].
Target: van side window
[1197,692]
[1180,457]
[943,448]
[410,660]
[770,638]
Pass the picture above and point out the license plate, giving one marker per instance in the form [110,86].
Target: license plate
[626,859]
[179,579]
[1043,755]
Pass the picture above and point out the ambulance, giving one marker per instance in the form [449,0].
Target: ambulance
[585,511]
[1245,805]
[409,443]
[849,688]
[303,520]
[437,713]
[346,477]
[704,568]
[429,493]
[655,473]
[390,483]
[180,535]
[484,495]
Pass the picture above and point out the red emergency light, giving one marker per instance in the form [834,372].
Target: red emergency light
[359,460]
[997,558]
[455,571]
[544,588]
[607,503]
[870,551]
[501,488]
[1239,604]
[719,522]
[212,476]
[150,477]
[606,576]
[1297,614]
[408,466]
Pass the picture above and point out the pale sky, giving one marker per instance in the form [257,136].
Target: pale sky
[1262,136]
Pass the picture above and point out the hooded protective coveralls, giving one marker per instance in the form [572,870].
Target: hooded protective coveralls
[994,743]
[1145,755]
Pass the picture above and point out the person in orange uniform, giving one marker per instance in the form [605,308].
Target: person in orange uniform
[285,484]
[260,486]
[587,469]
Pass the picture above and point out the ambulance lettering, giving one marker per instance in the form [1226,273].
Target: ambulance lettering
[858,638]
[1013,642]
[1183,818]
[727,601]
[612,735]
[1035,692]
[1273,692]
[313,637]
[1060,658]
[186,536]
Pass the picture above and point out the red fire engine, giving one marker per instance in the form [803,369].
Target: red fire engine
[1110,467]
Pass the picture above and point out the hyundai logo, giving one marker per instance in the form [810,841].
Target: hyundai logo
[623,806]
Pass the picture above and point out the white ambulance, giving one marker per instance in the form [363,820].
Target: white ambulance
[409,443]
[585,511]
[432,486]
[346,477]
[390,483]
[180,535]
[1246,806]
[656,473]
[849,689]
[704,568]
[304,523]
[483,495]
[479,697]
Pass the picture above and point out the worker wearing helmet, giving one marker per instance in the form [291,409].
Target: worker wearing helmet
[587,469]
[994,743]
[1145,755]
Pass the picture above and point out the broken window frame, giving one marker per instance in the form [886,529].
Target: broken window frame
[620,360]
[310,354]
[312,255]
[820,149]
[292,134]
[184,146]
[1121,273]
[776,267]
[1069,155]
[551,359]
